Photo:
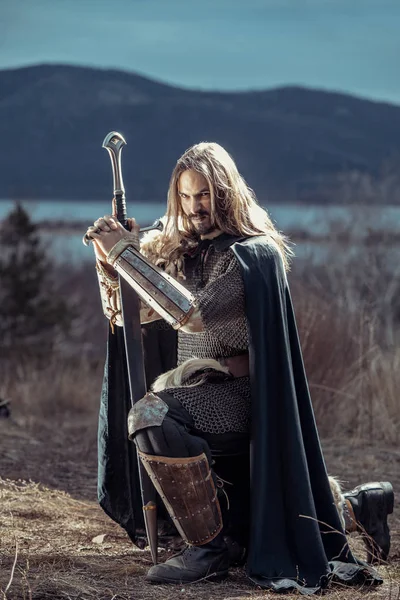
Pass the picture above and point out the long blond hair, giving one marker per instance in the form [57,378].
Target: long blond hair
[235,209]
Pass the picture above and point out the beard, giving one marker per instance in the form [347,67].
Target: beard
[202,223]
[203,227]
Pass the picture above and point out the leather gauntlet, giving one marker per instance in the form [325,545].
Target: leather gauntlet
[168,298]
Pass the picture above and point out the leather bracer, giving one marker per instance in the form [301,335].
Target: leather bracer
[168,298]
[111,300]
[109,294]
[187,489]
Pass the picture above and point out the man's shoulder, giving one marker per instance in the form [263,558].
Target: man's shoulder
[260,247]
[260,257]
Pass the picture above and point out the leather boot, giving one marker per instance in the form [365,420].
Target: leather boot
[210,561]
[366,509]
[237,553]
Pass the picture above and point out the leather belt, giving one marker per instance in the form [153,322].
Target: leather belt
[238,365]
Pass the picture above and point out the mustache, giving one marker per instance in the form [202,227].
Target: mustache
[200,213]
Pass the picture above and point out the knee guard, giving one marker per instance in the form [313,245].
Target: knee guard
[150,411]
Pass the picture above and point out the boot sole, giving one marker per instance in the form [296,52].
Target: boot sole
[218,576]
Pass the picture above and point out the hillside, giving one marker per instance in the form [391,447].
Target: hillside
[288,142]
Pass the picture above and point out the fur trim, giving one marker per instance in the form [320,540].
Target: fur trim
[153,244]
[176,377]
[159,248]
[337,497]
[150,243]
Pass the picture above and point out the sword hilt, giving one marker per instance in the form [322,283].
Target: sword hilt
[158,224]
[114,143]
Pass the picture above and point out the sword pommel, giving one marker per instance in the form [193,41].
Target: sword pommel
[114,141]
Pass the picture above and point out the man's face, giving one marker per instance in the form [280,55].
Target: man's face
[194,192]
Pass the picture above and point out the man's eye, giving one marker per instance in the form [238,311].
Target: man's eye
[205,193]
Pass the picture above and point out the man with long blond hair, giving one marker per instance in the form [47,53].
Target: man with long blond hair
[238,396]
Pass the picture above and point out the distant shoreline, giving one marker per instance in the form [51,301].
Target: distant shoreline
[75,200]
[367,224]
[136,201]
[369,238]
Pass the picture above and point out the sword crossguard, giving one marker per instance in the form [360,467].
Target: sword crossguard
[158,224]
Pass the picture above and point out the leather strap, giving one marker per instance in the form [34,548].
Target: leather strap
[238,365]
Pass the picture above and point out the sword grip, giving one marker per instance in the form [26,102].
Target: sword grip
[120,206]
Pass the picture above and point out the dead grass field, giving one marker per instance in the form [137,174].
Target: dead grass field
[50,522]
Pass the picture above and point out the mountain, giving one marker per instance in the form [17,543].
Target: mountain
[289,143]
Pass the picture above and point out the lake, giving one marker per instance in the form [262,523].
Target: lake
[319,220]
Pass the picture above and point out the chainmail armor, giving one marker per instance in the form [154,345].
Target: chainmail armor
[214,279]
[217,407]
[213,276]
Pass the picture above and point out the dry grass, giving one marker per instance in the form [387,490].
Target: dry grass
[53,539]
[47,530]
[354,377]
[348,314]
[51,536]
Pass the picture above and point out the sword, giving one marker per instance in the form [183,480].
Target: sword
[114,143]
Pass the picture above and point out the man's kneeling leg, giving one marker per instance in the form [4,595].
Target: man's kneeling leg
[178,464]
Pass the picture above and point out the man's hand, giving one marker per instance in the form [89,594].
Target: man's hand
[107,231]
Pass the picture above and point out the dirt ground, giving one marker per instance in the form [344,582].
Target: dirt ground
[56,543]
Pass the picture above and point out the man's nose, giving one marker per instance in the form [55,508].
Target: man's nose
[195,204]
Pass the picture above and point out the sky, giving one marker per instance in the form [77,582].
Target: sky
[344,45]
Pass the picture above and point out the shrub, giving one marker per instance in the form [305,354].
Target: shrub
[32,314]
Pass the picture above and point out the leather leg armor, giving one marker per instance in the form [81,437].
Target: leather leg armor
[187,489]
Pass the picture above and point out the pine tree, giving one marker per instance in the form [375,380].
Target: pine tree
[32,314]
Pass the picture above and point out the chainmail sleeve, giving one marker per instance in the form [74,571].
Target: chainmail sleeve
[222,304]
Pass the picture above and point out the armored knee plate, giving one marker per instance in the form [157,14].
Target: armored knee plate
[187,489]
[147,412]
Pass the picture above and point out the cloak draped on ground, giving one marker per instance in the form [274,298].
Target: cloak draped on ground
[295,539]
